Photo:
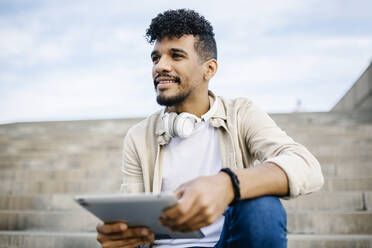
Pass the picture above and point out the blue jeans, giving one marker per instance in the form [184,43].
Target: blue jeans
[255,223]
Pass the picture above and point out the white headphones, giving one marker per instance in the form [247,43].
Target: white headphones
[180,125]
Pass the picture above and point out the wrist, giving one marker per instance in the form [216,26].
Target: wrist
[235,184]
[225,180]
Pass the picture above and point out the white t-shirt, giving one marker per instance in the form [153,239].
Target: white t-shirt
[185,159]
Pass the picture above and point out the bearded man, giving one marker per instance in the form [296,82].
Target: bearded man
[225,159]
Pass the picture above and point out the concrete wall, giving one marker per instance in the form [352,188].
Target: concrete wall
[359,97]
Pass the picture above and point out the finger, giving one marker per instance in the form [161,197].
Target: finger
[126,243]
[194,211]
[103,238]
[180,191]
[133,232]
[194,227]
[196,222]
[137,232]
[136,243]
[182,208]
[112,228]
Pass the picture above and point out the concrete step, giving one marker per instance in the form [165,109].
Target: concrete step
[98,170]
[33,150]
[359,131]
[41,156]
[74,221]
[332,165]
[327,134]
[66,138]
[62,161]
[9,187]
[30,147]
[323,201]
[314,222]
[355,134]
[51,142]
[18,175]
[96,127]
[47,239]
[53,202]
[56,187]
[334,130]
[317,145]
[328,201]
[368,200]
[318,149]
[352,170]
[106,159]
[347,184]
[289,121]
[329,241]
[344,160]
[296,120]
[340,150]
[336,145]
[307,222]
[88,240]
[324,118]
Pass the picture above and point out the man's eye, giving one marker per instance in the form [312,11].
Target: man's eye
[155,59]
[175,55]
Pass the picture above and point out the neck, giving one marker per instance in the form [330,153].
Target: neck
[195,104]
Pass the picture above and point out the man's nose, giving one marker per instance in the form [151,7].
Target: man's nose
[163,65]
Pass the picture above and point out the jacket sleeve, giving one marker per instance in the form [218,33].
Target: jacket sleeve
[268,143]
[131,168]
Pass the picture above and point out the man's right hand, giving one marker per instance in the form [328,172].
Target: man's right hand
[120,235]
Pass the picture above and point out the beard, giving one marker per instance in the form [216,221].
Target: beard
[173,100]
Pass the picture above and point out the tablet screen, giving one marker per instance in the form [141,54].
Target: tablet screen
[136,210]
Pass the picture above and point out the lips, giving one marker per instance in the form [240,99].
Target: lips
[165,80]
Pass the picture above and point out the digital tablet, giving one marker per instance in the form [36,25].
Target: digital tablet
[136,210]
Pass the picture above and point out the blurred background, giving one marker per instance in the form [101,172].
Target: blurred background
[88,60]
[73,60]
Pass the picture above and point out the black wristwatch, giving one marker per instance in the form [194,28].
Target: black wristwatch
[235,183]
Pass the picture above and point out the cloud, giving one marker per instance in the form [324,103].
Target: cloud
[89,59]
[82,94]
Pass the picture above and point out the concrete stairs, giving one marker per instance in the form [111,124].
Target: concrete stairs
[43,165]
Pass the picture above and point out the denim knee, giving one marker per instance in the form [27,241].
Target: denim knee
[259,222]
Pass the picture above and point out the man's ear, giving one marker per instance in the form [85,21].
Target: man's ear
[210,69]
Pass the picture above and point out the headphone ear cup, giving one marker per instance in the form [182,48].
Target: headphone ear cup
[171,123]
[184,125]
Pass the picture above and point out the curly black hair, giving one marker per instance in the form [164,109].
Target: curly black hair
[176,23]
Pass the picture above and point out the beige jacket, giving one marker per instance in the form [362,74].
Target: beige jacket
[247,136]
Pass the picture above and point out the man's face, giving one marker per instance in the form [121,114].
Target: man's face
[177,71]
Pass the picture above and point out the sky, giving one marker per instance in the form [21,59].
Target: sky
[75,59]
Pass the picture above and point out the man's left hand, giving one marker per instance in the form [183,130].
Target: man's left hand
[201,202]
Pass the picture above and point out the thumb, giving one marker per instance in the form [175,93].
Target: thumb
[180,191]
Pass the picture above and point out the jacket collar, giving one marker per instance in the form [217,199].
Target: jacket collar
[217,117]
[219,111]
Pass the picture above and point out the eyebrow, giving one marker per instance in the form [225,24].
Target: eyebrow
[175,50]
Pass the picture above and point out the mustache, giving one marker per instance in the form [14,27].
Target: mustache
[175,78]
